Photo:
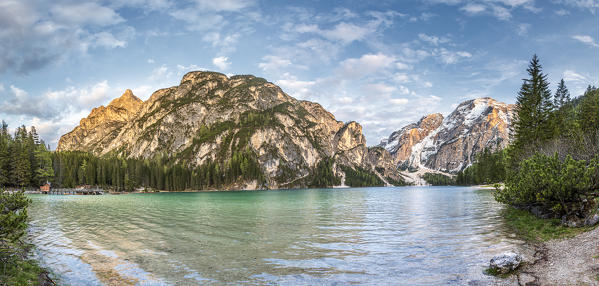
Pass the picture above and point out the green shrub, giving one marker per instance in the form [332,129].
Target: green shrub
[559,187]
[15,268]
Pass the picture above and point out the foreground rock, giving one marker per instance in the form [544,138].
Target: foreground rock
[505,263]
[592,220]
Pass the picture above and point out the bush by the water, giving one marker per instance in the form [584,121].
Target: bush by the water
[15,268]
[562,187]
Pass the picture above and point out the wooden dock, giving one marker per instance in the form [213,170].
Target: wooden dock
[96,191]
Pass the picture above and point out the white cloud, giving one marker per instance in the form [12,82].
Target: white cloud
[86,13]
[151,61]
[500,9]
[347,32]
[425,16]
[143,91]
[224,43]
[189,68]
[343,32]
[402,66]
[293,86]
[273,63]
[501,12]
[434,40]
[55,104]
[367,64]
[221,62]
[37,33]
[159,73]
[197,21]
[402,77]
[223,5]
[451,57]
[86,97]
[379,89]
[586,39]
[106,39]
[570,75]
[523,29]
[399,101]
[474,8]
[585,4]
[19,93]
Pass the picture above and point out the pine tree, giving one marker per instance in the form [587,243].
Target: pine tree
[589,112]
[20,159]
[534,106]
[561,118]
[44,171]
[4,155]
[562,95]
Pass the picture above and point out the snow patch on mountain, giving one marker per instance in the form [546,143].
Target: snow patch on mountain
[451,145]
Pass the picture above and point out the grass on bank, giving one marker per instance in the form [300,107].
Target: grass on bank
[21,272]
[494,272]
[532,228]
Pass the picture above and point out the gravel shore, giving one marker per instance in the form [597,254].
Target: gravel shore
[573,261]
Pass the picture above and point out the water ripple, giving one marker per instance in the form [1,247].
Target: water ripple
[372,236]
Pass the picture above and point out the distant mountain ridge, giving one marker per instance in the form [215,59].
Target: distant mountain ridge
[450,144]
[209,117]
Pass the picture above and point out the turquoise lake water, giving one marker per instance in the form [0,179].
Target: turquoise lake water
[374,236]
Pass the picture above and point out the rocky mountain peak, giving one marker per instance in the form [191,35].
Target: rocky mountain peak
[127,101]
[211,118]
[199,76]
[450,144]
[401,142]
[430,121]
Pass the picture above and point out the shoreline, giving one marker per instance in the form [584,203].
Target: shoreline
[553,253]
[565,261]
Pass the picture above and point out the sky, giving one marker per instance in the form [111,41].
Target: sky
[381,63]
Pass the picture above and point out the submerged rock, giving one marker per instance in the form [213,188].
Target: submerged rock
[505,263]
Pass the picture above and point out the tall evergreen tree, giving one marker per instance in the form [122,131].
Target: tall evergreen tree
[562,118]
[44,171]
[589,112]
[5,140]
[534,106]
[562,95]
[21,161]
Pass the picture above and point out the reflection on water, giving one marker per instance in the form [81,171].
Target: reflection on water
[409,235]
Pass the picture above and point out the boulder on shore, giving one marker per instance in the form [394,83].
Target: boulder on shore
[592,220]
[505,263]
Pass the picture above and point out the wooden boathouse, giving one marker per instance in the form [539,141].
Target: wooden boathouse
[79,190]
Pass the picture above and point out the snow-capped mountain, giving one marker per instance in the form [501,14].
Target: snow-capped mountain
[450,144]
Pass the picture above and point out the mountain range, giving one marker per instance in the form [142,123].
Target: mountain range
[210,117]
